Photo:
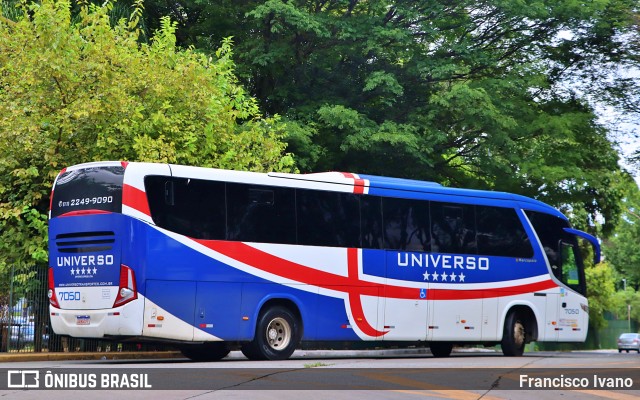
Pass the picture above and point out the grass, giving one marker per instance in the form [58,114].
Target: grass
[318,364]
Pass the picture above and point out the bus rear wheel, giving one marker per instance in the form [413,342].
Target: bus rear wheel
[277,335]
[211,351]
[514,335]
[441,349]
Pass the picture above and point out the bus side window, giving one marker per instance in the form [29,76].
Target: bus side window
[500,233]
[406,224]
[371,217]
[260,214]
[190,207]
[328,218]
[453,228]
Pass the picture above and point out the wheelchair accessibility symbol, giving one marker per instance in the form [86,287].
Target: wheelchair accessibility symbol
[423,293]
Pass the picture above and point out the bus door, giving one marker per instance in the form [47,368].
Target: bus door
[572,318]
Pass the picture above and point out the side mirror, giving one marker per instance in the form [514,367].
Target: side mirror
[592,239]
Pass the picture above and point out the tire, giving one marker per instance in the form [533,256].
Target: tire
[441,349]
[278,333]
[513,336]
[211,351]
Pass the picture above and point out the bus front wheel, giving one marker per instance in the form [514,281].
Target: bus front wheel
[514,335]
[277,335]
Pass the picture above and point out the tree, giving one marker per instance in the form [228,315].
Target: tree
[601,291]
[78,89]
[621,302]
[466,93]
[602,296]
[622,249]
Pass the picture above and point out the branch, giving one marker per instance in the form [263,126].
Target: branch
[352,5]
[7,21]
[632,213]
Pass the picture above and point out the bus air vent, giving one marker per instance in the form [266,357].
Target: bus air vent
[85,242]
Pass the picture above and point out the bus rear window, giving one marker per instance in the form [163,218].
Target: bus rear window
[94,188]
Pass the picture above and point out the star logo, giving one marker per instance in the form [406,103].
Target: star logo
[461,276]
[435,276]
[453,277]
[444,276]
[73,271]
[426,276]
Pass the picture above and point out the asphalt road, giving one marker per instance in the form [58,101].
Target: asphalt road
[335,375]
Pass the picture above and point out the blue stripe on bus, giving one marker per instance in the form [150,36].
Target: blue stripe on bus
[194,277]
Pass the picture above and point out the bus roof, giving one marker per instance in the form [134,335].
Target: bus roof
[380,184]
[412,185]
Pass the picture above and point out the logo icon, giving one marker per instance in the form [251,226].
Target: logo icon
[23,379]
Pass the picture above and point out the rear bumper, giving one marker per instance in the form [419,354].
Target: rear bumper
[120,321]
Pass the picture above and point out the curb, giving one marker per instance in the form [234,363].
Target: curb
[234,355]
[116,355]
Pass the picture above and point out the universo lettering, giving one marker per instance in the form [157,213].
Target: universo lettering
[84,261]
[442,261]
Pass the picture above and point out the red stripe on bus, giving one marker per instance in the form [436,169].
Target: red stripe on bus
[83,212]
[358,184]
[355,300]
[136,199]
[352,283]
[453,294]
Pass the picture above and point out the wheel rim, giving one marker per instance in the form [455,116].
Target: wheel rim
[278,334]
[518,333]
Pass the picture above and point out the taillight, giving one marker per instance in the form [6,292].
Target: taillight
[53,299]
[127,290]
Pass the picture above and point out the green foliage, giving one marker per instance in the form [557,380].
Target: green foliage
[621,302]
[601,290]
[467,93]
[622,248]
[78,85]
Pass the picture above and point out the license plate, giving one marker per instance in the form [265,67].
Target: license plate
[83,320]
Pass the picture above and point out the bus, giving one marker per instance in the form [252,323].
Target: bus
[214,260]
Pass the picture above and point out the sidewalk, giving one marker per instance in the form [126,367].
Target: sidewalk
[112,355]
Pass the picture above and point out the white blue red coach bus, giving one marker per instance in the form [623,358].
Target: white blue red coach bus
[213,260]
